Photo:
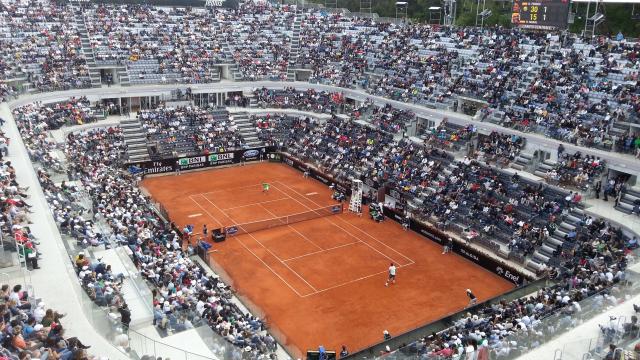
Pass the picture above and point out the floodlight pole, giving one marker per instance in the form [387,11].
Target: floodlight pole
[586,17]
[401,10]
[365,7]
[480,14]
[450,12]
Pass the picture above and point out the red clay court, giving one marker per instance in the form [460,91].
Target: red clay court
[320,281]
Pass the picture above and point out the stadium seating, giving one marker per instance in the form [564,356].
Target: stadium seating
[527,81]
[189,131]
[180,303]
[566,89]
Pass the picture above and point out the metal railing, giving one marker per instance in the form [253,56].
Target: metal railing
[131,343]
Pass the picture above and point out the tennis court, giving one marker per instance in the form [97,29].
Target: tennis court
[321,280]
[299,254]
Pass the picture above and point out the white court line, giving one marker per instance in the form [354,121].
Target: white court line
[257,203]
[351,282]
[292,228]
[385,245]
[323,250]
[345,230]
[226,190]
[259,188]
[266,248]
[348,223]
[194,215]
[205,210]
[304,237]
[249,250]
[283,263]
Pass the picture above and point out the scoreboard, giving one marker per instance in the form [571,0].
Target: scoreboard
[540,14]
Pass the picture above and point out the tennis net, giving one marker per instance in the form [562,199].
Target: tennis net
[254,226]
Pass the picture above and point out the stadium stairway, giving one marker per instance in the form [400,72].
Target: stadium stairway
[544,253]
[628,199]
[226,51]
[247,129]
[294,49]
[123,75]
[94,73]
[135,139]
[619,128]
[543,167]
[522,162]
[253,101]
[134,289]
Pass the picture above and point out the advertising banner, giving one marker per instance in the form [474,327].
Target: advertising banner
[275,157]
[200,161]
[494,265]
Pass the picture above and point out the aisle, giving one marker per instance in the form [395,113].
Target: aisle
[56,282]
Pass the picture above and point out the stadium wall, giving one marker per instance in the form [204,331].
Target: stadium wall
[180,3]
[199,161]
[499,268]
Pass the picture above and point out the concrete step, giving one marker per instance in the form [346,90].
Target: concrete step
[133,132]
[553,242]
[546,250]
[139,158]
[625,207]
[526,156]
[130,126]
[632,196]
[135,142]
[138,152]
[250,138]
[544,167]
[566,226]
[135,291]
[533,265]
[540,258]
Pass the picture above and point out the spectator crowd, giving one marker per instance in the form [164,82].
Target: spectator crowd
[574,90]
[184,296]
[568,88]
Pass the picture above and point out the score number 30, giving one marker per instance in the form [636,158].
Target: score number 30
[533,13]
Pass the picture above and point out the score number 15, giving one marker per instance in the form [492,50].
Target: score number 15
[533,13]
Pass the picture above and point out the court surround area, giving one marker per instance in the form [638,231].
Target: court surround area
[319,281]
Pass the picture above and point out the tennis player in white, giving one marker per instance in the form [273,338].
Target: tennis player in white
[392,275]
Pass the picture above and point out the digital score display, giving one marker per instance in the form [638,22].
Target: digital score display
[540,14]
